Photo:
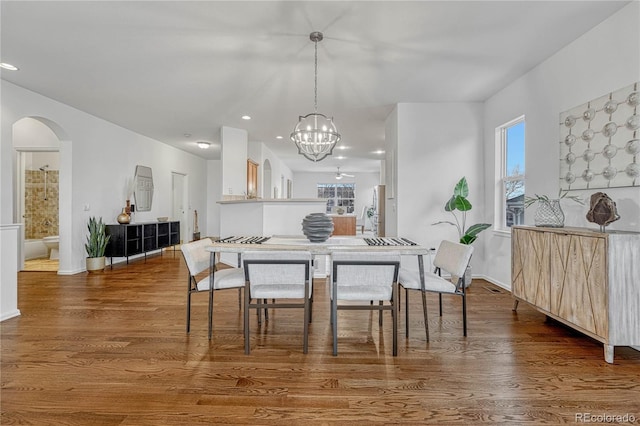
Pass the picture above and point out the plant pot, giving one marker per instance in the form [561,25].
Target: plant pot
[95,264]
[549,214]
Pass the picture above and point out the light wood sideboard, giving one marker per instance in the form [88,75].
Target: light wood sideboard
[586,279]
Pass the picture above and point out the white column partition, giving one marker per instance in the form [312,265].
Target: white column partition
[9,235]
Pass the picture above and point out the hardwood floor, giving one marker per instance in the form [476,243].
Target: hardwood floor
[111,349]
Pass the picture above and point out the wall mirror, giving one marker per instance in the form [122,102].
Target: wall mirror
[143,192]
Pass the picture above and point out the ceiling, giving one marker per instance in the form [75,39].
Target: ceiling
[166,69]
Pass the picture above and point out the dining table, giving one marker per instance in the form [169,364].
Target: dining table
[324,249]
[398,245]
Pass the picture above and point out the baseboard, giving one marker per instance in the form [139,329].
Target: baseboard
[494,281]
[71,272]
[7,315]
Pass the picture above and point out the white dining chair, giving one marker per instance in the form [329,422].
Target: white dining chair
[453,259]
[361,220]
[198,261]
[364,277]
[278,275]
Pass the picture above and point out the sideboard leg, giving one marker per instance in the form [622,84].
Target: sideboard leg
[608,353]
[515,305]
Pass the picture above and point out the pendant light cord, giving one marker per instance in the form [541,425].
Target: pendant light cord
[315,101]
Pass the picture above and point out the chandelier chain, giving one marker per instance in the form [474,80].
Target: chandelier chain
[315,101]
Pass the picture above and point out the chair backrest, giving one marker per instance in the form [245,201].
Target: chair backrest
[196,256]
[283,267]
[363,215]
[453,258]
[364,268]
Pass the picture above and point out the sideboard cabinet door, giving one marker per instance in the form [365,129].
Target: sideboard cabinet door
[579,281]
[530,267]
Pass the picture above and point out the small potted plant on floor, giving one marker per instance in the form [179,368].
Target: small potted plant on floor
[96,244]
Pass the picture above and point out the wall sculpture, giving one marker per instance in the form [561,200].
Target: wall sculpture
[599,142]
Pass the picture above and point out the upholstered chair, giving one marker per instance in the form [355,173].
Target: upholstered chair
[278,275]
[364,277]
[198,260]
[452,259]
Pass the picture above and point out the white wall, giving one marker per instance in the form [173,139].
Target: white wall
[97,158]
[234,160]
[437,144]
[305,186]
[214,194]
[604,59]
[390,176]
[259,152]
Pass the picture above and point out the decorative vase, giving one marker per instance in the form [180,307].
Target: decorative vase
[123,217]
[317,227]
[95,264]
[549,214]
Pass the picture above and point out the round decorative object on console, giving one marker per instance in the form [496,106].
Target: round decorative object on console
[317,227]
[123,218]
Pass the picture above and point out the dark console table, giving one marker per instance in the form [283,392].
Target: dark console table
[137,238]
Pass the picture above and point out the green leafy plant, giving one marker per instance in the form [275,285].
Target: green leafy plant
[528,201]
[459,202]
[371,211]
[97,239]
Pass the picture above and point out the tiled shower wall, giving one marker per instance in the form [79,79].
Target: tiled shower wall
[41,216]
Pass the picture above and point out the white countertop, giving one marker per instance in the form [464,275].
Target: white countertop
[274,201]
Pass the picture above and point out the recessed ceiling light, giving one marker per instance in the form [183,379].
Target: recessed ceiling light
[278,137]
[204,145]
[246,117]
[187,135]
[340,157]
[380,151]
[341,147]
[8,66]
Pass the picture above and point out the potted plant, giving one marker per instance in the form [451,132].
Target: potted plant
[96,244]
[459,202]
[549,212]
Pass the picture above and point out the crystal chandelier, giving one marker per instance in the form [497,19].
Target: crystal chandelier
[315,135]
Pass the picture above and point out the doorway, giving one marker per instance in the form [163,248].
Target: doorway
[180,203]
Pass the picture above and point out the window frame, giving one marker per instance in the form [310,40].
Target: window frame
[335,197]
[502,176]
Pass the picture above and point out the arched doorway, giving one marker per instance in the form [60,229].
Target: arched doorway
[42,190]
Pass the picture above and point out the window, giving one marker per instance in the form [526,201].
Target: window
[510,139]
[338,195]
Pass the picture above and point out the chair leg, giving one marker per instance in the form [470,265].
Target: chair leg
[266,310]
[394,313]
[307,308]
[380,303]
[406,311]
[210,312]
[189,311]
[424,310]
[239,298]
[334,318]
[311,308]
[440,302]
[247,300]
[464,314]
